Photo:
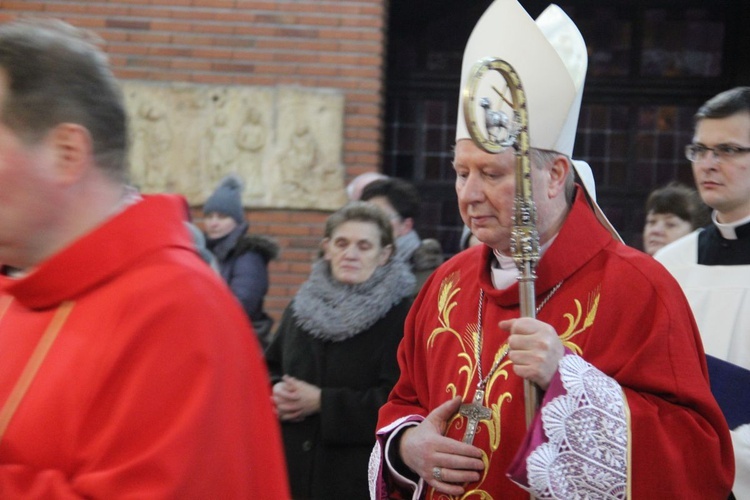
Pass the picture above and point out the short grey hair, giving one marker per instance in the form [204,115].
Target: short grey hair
[542,158]
[361,211]
[56,75]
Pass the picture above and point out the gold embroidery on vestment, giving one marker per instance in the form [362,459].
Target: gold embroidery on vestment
[448,297]
[574,320]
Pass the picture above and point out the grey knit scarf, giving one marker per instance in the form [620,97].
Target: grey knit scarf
[330,310]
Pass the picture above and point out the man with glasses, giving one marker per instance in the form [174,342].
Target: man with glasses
[712,264]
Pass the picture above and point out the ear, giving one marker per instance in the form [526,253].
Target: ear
[385,254]
[558,172]
[324,248]
[73,149]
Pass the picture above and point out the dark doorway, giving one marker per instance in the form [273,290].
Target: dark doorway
[651,64]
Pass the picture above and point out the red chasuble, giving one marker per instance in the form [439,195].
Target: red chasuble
[648,426]
[154,386]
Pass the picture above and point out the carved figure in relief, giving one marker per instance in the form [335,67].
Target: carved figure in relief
[298,161]
[153,132]
[222,150]
[251,141]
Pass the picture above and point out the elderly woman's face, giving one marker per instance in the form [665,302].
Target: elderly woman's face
[354,252]
[662,229]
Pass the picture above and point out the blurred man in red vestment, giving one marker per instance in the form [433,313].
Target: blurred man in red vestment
[128,369]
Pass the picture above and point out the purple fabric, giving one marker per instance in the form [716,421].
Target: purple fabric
[535,437]
[381,487]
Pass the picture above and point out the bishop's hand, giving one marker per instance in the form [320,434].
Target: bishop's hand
[535,349]
[444,463]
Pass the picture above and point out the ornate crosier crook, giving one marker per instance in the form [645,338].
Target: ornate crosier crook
[498,131]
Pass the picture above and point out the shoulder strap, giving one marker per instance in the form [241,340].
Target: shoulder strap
[33,364]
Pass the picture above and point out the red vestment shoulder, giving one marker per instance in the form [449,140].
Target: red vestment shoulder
[155,386]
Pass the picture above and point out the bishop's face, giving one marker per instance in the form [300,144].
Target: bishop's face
[724,184]
[485,185]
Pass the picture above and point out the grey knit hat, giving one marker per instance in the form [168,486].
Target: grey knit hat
[227,199]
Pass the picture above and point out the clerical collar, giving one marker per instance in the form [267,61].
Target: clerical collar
[730,231]
[130,196]
[504,270]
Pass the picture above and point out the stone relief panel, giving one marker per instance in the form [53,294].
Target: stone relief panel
[285,142]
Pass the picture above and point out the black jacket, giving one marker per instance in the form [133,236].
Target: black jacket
[327,453]
[243,263]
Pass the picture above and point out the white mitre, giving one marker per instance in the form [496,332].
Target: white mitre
[553,94]
[550,57]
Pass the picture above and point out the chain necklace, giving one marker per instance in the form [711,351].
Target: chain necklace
[476,411]
[478,343]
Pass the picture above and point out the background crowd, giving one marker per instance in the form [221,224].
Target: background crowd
[185,387]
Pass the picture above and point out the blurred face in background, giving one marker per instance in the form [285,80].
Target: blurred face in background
[354,252]
[400,226]
[662,229]
[218,225]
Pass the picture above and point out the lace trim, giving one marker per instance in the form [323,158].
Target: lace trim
[379,466]
[373,469]
[586,456]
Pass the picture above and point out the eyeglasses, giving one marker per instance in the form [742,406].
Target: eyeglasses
[698,152]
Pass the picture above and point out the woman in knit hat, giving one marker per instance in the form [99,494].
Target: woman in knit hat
[242,258]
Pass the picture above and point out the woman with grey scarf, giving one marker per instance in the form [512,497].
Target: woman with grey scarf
[333,358]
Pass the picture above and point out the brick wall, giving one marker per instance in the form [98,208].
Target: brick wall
[335,44]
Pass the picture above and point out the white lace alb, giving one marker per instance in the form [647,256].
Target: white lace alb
[587,428]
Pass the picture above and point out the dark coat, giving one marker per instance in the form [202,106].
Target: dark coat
[328,453]
[425,260]
[243,263]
